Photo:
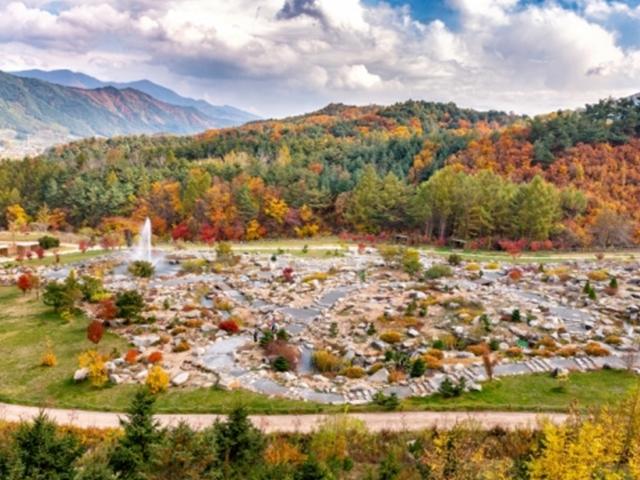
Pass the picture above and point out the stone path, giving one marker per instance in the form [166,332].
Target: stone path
[375,422]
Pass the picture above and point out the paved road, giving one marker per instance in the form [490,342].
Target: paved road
[392,421]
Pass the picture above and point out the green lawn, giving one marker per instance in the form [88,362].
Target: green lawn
[26,324]
[65,258]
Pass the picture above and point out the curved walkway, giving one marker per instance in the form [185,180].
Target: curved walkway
[376,422]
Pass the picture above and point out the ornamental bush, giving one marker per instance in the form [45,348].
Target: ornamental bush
[157,380]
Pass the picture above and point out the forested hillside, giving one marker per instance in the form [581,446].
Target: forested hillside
[433,171]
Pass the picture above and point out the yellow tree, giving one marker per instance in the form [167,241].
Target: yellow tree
[17,218]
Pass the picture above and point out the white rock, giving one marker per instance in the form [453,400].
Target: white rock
[115,379]
[180,379]
[80,375]
[380,376]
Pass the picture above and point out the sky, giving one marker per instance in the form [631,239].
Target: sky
[283,57]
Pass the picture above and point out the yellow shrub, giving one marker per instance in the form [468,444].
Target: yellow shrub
[472,267]
[479,349]
[49,359]
[598,275]
[567,351]
[432,362]
[492,266]
[354,372]
[94,362]
[332,440]
[320,276]
[281,452]
[183,346]
[396,376]
[613,340]
[390,336]
[596,350]
[157,380]
[514,352]
[434,352]
[326,362]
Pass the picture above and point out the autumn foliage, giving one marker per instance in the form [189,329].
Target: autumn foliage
[95,331]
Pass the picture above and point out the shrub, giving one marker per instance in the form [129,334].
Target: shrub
[280,348]
[182,346]
[479,349]
[391,336]
[107,309]
[287,274]
[513,352]
[94,362]
[391,254]
[155,357]
[567,351]
[472,267]
[224,252]
[157,380]
[388,402]
[432,363]
[49,358]
[396,376]
[436,353]
[129,304]
[95,331]
[411,261]
[280,364]
[454,259]
[131,356]
[229,326]
[548,342]
[320,276]
[418,368]
[141,269]
[596,350]
[598,275]
[281,452]
[63,296]
[437,271]
[25,282]
[47,242]
[449,389]
[492,266]
[354,372]
[613,283]
[326,362]
[516,316]
[194,266]
[515,274]
[613,340]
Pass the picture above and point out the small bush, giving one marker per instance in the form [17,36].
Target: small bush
[182,346]
[280,348]
[49,358]
[95,331]
[47,242]
[157,380]
[598,275]
[436,353]
[492,266]
[513,352]
[437,271]
[594,349]
[516,316]
[454,259]
[391,336]
[194,266]
[418,368]
[548,342]
[326,362]
[432,363]
[131,356]
[567,351]
[515,274]
[155,357]
[229,326]
[411,261]
[281,364]
[94,362]
[388,402]
[479,349]
[449,389]
[141,269]
[613,340]
[396,376]
[472,267]
[354,372]
[129,304]
[319,276]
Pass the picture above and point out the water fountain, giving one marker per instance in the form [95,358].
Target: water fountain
[143,250]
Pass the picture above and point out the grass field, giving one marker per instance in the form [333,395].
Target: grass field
[26,325]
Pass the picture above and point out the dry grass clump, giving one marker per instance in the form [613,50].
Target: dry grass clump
[568,351]
[326,362]
[391,336]
[594,349]
[613,340]
[354,372]
[513,352]
[598,275]
[479,349]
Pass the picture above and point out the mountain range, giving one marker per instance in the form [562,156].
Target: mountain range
[222,115]
[38,113]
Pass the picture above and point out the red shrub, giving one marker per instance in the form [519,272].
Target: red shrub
[181,232]
[132,356]
[283,349]
[95,331]
[107,309]
[155,357]
[515,274]
[25,282]
[83,246]
[229,326]
[287,274]
[39,251]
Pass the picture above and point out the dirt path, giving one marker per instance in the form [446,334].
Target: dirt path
[392,421]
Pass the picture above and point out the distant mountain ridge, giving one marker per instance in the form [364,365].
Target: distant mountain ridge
[35,114]
[221,115]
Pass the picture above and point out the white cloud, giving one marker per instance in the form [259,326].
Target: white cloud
[288,54]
